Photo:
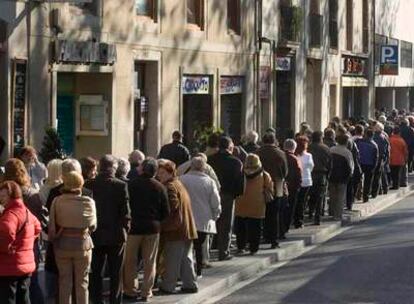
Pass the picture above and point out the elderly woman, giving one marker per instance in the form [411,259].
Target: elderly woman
[123,169]
[72,220]
[205,203]
[54,179]
[178,232]
[15,170]
[251,206]
[18,231]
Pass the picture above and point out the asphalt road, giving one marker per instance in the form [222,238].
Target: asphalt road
[371,263]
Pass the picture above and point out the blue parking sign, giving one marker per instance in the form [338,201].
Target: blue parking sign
[389,60]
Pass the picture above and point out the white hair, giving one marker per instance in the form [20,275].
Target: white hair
[136,157]
[69,165]
[252,137]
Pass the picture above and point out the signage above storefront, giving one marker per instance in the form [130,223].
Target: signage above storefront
[196,85]
[86,52]
[231,85]
[354,66]
[283,64]
[389,60]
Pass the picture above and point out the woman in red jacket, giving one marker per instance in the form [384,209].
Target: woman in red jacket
[18,230]
[398,157]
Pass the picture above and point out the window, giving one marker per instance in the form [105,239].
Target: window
[406,54]
[195,13]
[145,8]
[349,24]
[91,8]
[233,16]
[315,24]
[365,26]
[314,7]
[333,24]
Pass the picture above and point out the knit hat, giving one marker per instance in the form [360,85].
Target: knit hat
[252,164]
[73,181]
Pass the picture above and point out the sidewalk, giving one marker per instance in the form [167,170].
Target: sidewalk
[226,274]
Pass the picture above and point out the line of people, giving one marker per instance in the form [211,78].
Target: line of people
[115,217]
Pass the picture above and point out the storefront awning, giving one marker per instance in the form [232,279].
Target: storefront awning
[354,82]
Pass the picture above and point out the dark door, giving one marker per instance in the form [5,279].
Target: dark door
[198,115]
[284,105]
[66,122]
[231,115]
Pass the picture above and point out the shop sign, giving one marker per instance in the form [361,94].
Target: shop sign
[353,66]
[67,51]
[19,103]
[231,85]
[389,60]
[283,64]
[264,82]
[196,85]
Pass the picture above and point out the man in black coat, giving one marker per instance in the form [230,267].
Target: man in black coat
[113,215]
[175,151]
[229,171]
[149,207]
[322,159]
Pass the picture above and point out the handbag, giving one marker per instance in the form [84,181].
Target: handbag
[267,193]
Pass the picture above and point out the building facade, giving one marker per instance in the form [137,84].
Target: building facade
[392,24]
[114,77]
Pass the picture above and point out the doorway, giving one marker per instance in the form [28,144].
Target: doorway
[284,92]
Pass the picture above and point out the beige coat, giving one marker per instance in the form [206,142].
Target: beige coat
[72,219]
[252,203]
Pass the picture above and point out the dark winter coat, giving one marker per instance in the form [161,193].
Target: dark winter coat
[368,152]
[148,201]
[112,208]
[294,177]
[322,159]
[175,152]
[229,171]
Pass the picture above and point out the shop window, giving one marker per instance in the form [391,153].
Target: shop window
[365,26]
[333,24]
[349,24]
[233,16]
[145,8]
[195,14]
[406,54]
[90,8]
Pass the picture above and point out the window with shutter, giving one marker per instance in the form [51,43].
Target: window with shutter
[233,16]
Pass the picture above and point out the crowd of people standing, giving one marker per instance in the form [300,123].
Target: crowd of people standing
[115,217]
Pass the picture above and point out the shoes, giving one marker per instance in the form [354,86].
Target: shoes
[189,290]
[225,258]
[273,246]
[143,300]
[241,251]
[253,253]
[199,276]
[283,237]
[394,188]
[207,266]
[403,185]
[317,224]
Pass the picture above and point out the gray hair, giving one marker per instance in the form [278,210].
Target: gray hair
[202,155]
[252,137]
[69,165]
[198,164]
[290,145]
[136,157]
[108,164]
[123,167]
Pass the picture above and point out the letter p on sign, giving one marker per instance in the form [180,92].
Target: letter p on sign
[389,54]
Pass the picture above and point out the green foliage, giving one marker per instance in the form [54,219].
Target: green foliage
[52,146]
[201,136]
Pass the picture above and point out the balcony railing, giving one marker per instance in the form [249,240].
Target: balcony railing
[291,23]
[315,25]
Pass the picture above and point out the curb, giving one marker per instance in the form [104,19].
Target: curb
[225,275]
